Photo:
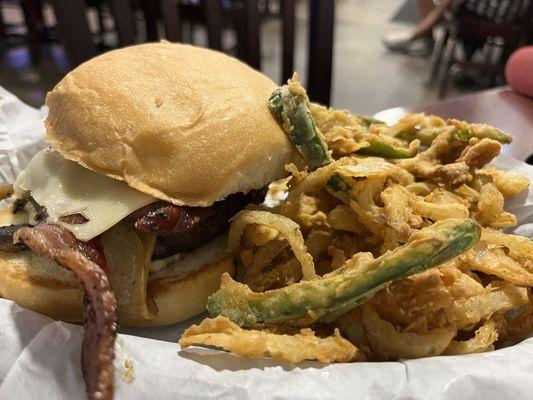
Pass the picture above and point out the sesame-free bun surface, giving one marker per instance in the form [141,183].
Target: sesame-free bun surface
[180,291]
[184,124]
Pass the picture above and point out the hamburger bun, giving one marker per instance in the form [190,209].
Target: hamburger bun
[183,124]
[180,290]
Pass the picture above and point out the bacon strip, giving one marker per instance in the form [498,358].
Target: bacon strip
[97,354]
[6,238]
[164,218]
[182,228]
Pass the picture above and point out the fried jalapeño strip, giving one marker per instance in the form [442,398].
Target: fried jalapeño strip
[455,151]
[345,133]
[87,262]
[335,293]
[290,105]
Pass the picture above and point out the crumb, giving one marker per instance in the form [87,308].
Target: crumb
[158,102]
[127,373]
[298,176]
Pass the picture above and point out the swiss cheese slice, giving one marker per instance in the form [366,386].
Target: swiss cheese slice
[64,188]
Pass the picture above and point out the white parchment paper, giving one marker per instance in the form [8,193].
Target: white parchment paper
[40,358]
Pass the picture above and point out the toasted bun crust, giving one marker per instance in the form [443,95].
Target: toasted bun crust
[38,283]
[184,124]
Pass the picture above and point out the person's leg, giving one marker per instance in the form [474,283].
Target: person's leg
[432,15]
[425,7]
[432,18]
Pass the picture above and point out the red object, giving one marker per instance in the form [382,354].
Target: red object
[519,70]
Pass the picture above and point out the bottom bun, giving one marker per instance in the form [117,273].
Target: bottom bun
[180,289]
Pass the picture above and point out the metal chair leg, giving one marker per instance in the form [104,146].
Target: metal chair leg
[447,63]
[436,57]
[33,17]
[3,33]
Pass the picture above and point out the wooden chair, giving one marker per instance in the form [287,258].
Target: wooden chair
[34,23]
[78,42]
[472,24]
[320,50]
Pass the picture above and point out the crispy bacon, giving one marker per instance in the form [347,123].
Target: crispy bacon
[6,238]
[164,218]
[73,219]
[181,228]
[40,211]
[84,259]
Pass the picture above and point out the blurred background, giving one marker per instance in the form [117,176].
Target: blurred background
[364,55]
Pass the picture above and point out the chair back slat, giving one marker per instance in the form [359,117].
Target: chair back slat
[322,14]
[151,10]
[252,35]
[170,12]
[287,20]
[77,38]
[213,18]
[527,17]
[74,30]
[123,21]
[498,11]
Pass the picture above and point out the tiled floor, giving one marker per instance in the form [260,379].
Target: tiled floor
[367,78]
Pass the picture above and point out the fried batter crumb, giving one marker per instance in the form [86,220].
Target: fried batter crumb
[127,372]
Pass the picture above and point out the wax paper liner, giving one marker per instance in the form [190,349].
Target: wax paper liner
[41,357]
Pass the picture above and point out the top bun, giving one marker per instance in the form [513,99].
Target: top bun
[184,124]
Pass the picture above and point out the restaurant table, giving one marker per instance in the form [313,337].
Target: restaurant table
[501,107]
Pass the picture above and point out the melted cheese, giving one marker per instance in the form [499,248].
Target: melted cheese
[65,188]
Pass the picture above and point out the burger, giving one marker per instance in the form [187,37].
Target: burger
[153,148]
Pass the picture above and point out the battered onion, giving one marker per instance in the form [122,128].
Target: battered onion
[287,228]
[390,343]
[483,340]
[357,208]
[221,332]
[315,181]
